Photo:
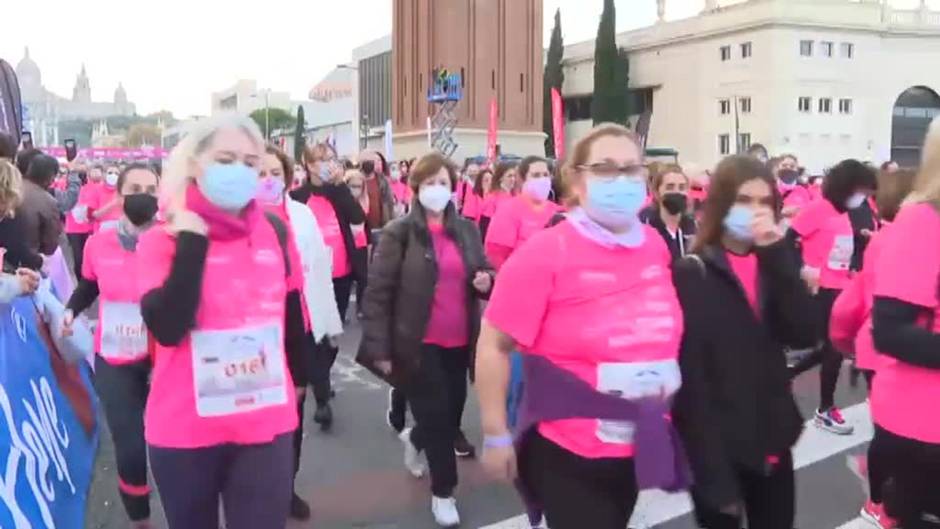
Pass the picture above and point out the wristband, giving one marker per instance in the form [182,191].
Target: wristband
[497,441]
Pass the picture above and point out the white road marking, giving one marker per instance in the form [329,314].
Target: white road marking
[656,507]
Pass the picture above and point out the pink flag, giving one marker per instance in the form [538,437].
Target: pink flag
[491,134]
[558,124]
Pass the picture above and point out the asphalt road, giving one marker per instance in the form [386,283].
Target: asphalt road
[354,478]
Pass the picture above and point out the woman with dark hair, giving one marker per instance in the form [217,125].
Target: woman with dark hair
[735,410]
[669,212]
[827,241]
[110,269]
[524,215]
[796,196]
[420,333]
[336,212]
[502,188]
[477,191]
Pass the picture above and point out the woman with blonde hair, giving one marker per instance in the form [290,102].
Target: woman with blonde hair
[597,385]
[18,254]
[221,412]
[906,331]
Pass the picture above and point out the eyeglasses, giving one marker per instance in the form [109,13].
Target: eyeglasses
[608,170]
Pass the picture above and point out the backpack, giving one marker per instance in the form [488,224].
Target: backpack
[280,229]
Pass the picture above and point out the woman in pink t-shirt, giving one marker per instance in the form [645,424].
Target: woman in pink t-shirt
[421,320]
[824,232]
[736,410]
[592,299]
[222,410]
[795,195]
[502,189]
[110,272]
[523,216]
[105,208]
[78,222]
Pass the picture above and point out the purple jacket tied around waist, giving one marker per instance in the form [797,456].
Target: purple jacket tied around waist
[552,393]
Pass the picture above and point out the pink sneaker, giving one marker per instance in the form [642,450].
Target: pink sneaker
[874,513]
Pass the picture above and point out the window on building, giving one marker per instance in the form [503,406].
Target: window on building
[744,141]
[724,106]
[745,105]
[745,50]
[804,104]
[578,108]
[726,53]
[827,48]
[825,105]
[724,144]
[845,106]
[806,48]
[848,50]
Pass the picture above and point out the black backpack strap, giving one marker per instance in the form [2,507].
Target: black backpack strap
[556,219]
[281,230]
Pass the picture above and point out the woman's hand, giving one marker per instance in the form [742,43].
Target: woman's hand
[500,462]
[765,228]
[811,278]
[29,280]
[483,282]
[384,367]
[68,319]
[185,220]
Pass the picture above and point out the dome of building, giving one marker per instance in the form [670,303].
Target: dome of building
[120,95]
[29,76]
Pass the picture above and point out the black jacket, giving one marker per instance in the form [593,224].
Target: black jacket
[650,215]
[400,290]
[348,212]
[735,406]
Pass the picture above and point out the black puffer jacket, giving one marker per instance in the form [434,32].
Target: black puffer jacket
[736,406]
[400,290]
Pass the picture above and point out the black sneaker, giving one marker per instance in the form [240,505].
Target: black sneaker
[462,446]
[299,509]
[324,416]
[395,415]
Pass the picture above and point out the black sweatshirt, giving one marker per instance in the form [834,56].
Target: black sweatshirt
[18,254]
[897,333]
[169,311]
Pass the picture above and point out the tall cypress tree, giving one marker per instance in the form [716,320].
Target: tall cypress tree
[610,90]
[299,137]
[554,78]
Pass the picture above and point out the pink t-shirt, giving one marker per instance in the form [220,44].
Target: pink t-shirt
[102,198]
[119,321]
[88,193]
[908,270]
[234,355]
[745,267]
[447,326]
[607,315]
[472,206]
[828,242]
[518,219]
[332,234]
[795,195]
[360,239]
[492,201]
[402,193]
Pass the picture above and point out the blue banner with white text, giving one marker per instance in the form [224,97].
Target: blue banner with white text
[48,434]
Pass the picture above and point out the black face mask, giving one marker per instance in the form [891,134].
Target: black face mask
[675,203]
[788,176]
[367,168]
[140,208]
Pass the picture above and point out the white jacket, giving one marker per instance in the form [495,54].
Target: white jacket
[317,260]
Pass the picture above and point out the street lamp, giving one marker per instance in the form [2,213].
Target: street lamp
[267,106]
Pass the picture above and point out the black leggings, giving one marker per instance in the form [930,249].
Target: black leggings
[342,288]
[324,356]
[77,244]
[831,358]
[769,500]
[437,393]
[578,492]
[253,481]
[910,489]
[123,390]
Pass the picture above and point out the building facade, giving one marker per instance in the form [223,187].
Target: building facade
[244,97]
[495,45]
[44,110]
[824,79]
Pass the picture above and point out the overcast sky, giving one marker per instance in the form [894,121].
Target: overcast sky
[172,54]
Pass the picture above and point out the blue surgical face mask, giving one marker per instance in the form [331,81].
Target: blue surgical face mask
[738,223]
[615,203]
[230,186]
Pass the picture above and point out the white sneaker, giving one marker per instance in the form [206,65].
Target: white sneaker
[412,456]
[445,511]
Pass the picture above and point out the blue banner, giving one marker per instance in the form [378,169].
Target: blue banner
[46,454]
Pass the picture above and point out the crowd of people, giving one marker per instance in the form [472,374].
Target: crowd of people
[580,296]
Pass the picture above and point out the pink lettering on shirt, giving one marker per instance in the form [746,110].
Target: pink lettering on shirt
[907,269]
[594,311]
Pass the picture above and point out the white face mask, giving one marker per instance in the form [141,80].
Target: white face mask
[434,197]
[856,200]
[111,179]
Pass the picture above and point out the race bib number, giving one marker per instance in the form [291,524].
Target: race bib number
[238,371]
[633,381]
[840,257]
[123,334]
[80,214]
